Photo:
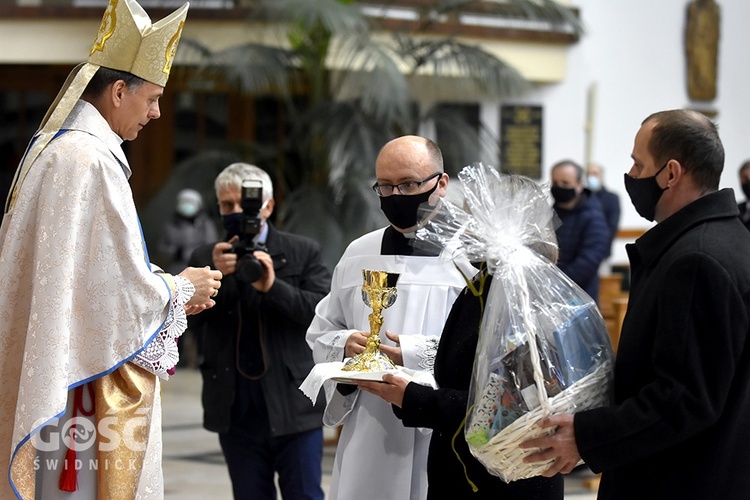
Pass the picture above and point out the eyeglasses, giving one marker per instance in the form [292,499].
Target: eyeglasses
[409,187]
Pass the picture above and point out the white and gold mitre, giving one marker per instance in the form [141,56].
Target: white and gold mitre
[128,41]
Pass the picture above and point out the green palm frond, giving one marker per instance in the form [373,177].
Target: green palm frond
[447,57]
[359,207]
[445,6]
[559,16]
[373,76]
[354,138]
[336,16]
[351,137]
[465,143]
[549,10]
[253,67]
[310,212]
[191,51]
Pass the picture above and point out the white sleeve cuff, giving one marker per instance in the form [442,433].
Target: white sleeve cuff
[418,351]
[161,354]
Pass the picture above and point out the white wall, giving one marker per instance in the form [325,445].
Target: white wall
[634,51]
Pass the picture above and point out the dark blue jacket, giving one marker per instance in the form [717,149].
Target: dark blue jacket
[584,242]
[610,203]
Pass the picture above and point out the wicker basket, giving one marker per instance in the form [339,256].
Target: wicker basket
[501,455]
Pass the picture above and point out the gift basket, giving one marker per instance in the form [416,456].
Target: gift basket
[543,346]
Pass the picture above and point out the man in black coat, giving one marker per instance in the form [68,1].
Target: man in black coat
[679,425]
[255,353]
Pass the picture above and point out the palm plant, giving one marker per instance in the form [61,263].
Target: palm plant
[348,88]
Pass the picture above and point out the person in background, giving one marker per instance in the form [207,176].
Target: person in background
[187,229]
[377,458]
[744,206]
[608,200]
[678,428]
[255,354]
[88,325]
[583,236]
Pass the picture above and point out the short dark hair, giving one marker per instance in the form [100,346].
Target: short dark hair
[435,155]
[744,167]
[692,139]
[576,166]
[106,76]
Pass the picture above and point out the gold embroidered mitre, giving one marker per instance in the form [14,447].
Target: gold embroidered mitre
[128,41]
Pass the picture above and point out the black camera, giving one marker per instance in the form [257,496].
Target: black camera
[249,269]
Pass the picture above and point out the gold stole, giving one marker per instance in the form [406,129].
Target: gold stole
[126,398]
[119,396]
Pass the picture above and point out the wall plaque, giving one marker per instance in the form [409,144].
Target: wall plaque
[521,140]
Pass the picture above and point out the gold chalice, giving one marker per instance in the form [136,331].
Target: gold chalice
[378,292]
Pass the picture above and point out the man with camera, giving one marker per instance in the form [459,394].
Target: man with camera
[255,354]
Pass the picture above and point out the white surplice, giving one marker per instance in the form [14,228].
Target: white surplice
[79,296]
[377,458]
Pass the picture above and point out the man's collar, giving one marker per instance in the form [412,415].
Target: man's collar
[716,205]
[86,117]
[262,236]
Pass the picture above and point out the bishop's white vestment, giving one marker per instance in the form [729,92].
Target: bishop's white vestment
[377,458]
[79,301]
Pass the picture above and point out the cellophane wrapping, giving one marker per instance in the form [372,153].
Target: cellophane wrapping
[543,345]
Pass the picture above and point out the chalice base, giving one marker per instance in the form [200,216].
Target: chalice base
[369,362]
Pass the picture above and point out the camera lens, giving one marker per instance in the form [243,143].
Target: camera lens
[249,269]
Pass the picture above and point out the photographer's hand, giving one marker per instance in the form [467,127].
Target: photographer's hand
[224,260]
[269,275]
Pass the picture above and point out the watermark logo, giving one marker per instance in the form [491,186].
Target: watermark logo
[91,464]
[81,433]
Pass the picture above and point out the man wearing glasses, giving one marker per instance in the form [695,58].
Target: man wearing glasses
[377,457]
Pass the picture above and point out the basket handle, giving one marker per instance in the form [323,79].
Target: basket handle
[527,312]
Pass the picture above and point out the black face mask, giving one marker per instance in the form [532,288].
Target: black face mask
[563,194]
[746,189]
[645,193]
[401,210]
[232,224]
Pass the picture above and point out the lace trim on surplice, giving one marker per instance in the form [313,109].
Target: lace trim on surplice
[161,354]
[426,353]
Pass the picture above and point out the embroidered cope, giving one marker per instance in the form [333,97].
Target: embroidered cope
[80,297]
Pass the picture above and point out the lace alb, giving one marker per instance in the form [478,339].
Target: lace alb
[161,354]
